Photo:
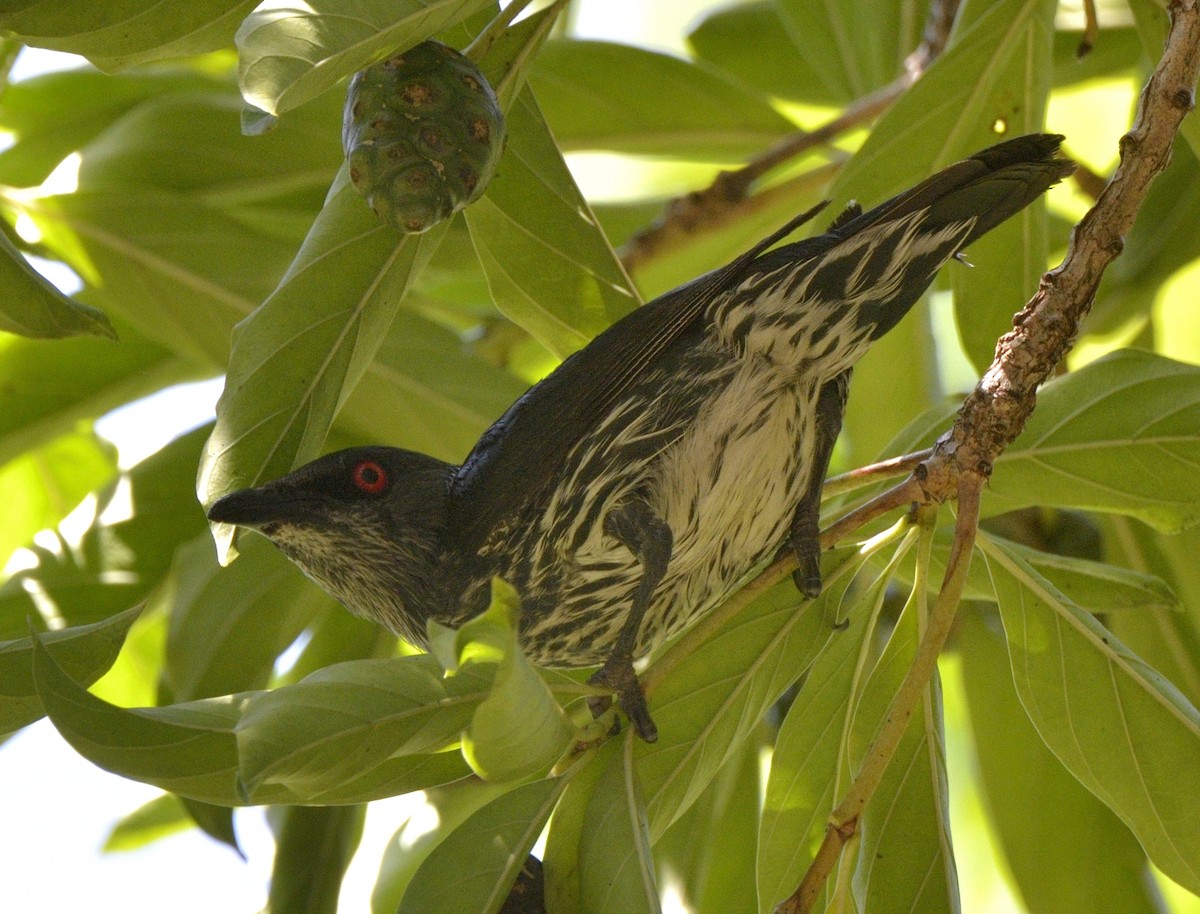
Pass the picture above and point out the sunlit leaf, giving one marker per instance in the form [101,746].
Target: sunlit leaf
[548,265]
[115,564]
[1119,435]
[164,815]
[616,866]
[519,729]
[39,488]
[33,307]
[1125,732]
[121,33]
[473,868]
[290,53]
[342,721]
[86,652]
[1067,851]
[300,353]
[593,94]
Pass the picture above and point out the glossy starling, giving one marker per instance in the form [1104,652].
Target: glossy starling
[634,488]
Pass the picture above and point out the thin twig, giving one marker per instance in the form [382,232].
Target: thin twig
[1091,29]
[725,200]
[884,469]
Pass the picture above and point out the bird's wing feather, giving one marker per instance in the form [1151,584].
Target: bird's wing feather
[521,453]
[525,447]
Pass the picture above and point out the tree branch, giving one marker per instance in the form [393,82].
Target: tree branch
[996,411]
[1045,329]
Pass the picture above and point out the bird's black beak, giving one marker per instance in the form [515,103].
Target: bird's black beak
[257,508]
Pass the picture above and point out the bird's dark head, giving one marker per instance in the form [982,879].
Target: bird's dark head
[365,524]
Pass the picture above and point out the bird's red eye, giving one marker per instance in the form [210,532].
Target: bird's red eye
[370,477]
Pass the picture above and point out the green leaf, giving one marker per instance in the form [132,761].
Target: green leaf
[1160,244]
[33,112]
[852,47]
[751,42]
[1067,851]
[51,385]
[1116,53]
[313,847]
[564,838]
[296,358]
[808,759]
[714,699]
[593,94]
[616,866]
[182,272]
[474,867]
[904,860]
[825,54]
[186,749]
[414,840]
[342,721]
[163,816]
[214,820]
[1118,435]
[86,651]
[519,729]
[831,723]
[548,265]
[428,392]
[907,392]
[43,485]
[121,33]
[1011,91]
[114,565]
[1098,586]
[392,778]
[1153,24]
[708,854]
[1126,733]
[33,307]
[1167,640]
[227,625]
[289,54]
[186,141]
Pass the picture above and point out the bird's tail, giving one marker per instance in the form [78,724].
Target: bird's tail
[880,262]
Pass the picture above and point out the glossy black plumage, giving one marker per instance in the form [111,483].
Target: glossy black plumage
[633,488]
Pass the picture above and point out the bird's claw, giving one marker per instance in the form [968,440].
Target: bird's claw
[618,675]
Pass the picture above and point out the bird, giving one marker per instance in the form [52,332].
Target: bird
[636,486]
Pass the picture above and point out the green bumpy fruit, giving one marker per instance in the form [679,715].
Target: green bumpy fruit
[423,132]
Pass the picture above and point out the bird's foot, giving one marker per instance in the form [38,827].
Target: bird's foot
[807,576]
[617,674]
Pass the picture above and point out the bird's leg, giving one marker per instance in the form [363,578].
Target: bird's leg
[805,536]
[647,536]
